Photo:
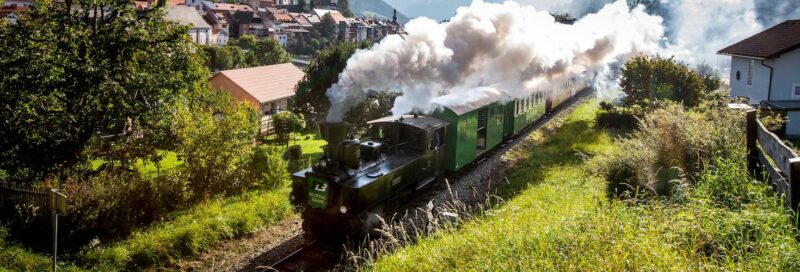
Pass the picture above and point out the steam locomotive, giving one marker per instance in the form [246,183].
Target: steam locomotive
[355,182]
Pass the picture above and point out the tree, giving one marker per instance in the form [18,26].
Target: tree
[648,78]
[709,75]
[323,71]
[216,136]
[327,27]
[245,42]
[220,58]
[267,52]
[245,52]
[70,75]
[343,6]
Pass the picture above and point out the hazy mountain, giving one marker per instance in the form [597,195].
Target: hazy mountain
[444,9]
[375,8]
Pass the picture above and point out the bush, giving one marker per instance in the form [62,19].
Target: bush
[287,122]
[268,167]
[617,119]
[673,146]
[648,78]
[216,143]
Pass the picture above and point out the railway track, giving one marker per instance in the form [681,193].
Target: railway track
[313,256]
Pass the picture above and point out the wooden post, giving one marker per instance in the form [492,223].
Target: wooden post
[752,139]
[793,194]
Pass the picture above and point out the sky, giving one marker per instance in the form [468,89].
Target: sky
[444,9]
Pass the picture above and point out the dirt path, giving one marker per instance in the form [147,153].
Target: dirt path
[249,253]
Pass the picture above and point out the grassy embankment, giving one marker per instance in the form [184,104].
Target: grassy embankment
[199,228]
[185,234]
[558,217]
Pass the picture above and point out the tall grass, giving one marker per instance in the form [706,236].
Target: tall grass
[557,217]
[16,258]
[191,232]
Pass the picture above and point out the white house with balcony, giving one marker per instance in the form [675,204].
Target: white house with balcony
[765,69]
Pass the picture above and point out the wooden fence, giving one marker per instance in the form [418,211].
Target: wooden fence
[770,156]
[13,196]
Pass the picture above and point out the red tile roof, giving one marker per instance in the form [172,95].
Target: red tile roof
[769,43]
[231,7]
[266,83]
[141,5]
[4,11]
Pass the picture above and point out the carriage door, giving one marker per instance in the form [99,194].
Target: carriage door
[480,141]
[437,151]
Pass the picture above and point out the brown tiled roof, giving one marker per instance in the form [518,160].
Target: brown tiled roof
[266,83]
[231,7]
[4,11]
[769,43]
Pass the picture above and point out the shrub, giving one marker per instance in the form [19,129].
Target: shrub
[674,145]
[268,167]
[617,119]
[287,122]
[772,120]
[216,142]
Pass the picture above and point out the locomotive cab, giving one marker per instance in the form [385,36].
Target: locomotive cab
[356,180]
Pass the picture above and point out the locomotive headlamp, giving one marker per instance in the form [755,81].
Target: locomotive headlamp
[343,209]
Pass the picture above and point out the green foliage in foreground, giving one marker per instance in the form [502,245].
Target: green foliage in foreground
[562,220]
[192,232]
[15,258]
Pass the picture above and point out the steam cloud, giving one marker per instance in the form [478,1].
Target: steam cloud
[513,48]
[697,29]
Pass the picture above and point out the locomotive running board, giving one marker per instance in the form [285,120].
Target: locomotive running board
[425,183]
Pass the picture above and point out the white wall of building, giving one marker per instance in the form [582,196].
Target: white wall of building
[786,76]
[757,90]
[201,35]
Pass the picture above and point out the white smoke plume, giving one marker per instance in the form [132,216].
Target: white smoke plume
[513,48]
[697,29]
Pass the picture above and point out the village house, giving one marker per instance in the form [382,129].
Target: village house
[765,70]
[219,37]
[143,5]
[185,15]
[267,88]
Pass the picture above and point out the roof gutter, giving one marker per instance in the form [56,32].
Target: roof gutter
[769,87]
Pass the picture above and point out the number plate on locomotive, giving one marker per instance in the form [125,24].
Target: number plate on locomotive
[317,192]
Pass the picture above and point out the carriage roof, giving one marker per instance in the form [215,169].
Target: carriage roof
[461,103]
[420,121]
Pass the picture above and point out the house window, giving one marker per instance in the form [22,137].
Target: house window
[796,91]
[750,72]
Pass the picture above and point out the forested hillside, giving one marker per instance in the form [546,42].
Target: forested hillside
[375,8]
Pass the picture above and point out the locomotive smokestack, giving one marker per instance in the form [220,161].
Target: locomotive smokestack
[333,132]
[340,150]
